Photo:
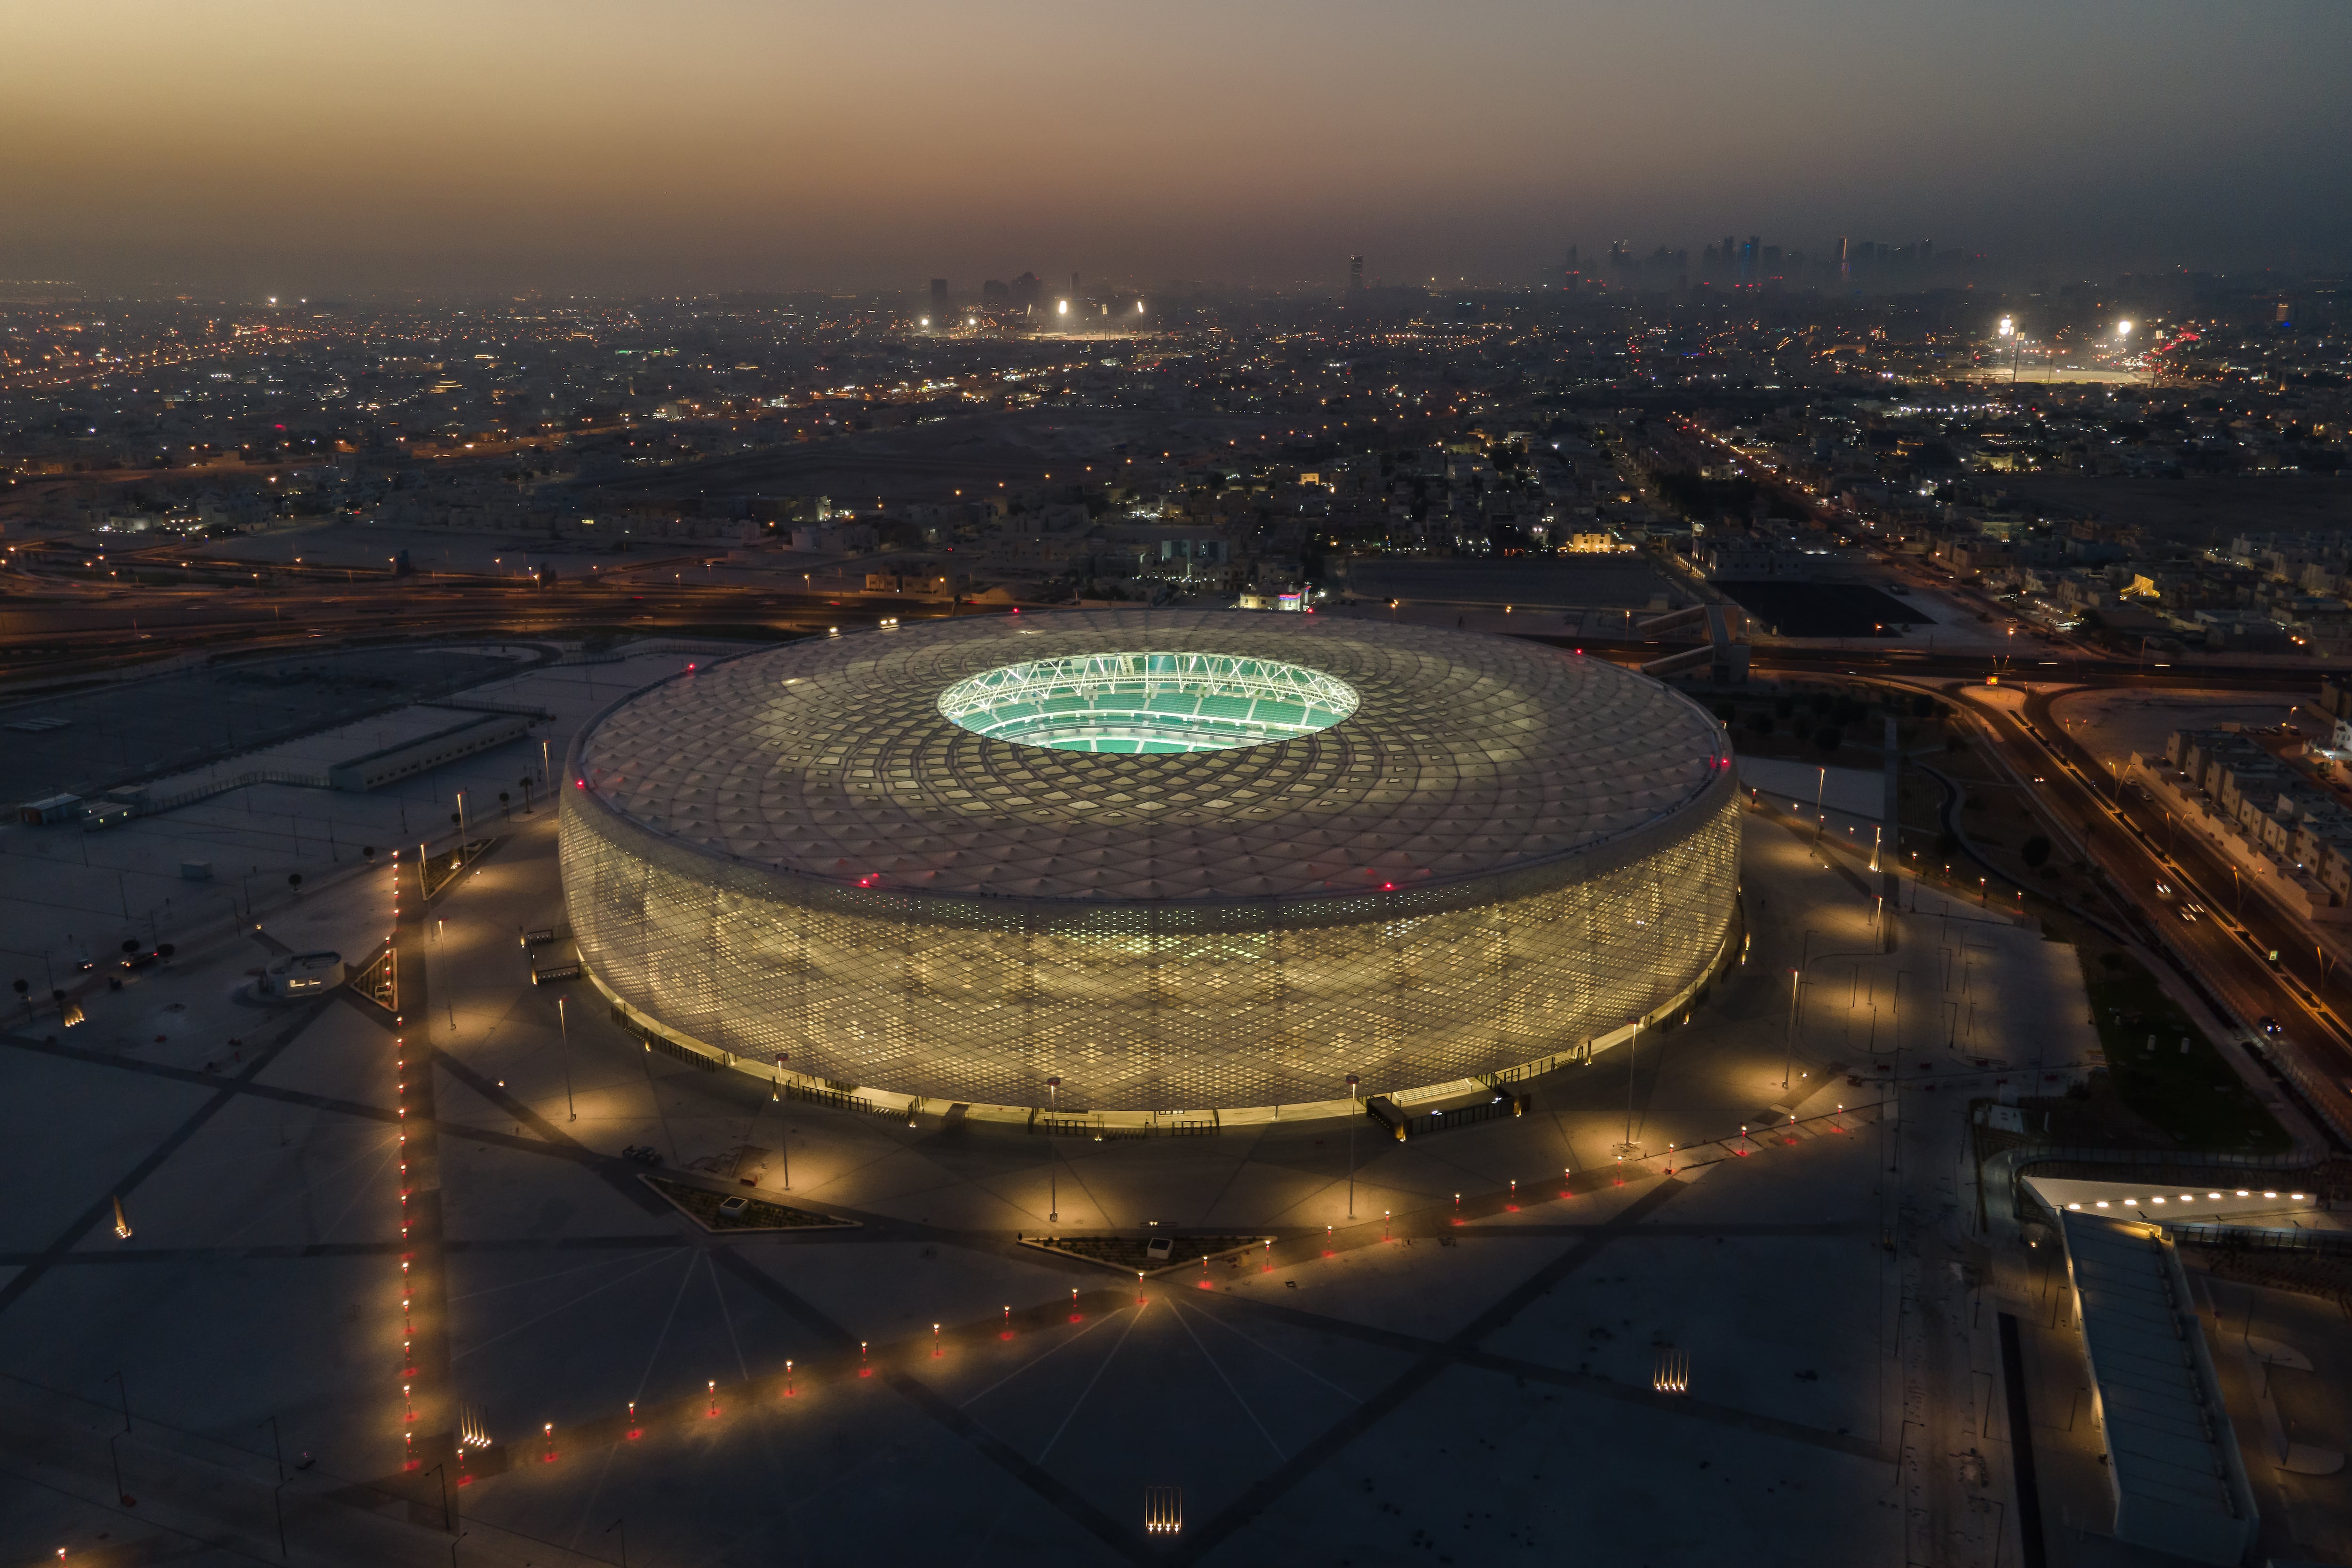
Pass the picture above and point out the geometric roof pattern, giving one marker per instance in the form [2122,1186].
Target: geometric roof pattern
[1467,754]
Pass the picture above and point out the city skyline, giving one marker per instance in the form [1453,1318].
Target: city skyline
[264,150]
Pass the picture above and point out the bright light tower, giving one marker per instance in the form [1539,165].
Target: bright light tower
[1061,307]
[924,321]
[2008,330]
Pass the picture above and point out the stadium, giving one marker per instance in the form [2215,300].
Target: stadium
[1149,863]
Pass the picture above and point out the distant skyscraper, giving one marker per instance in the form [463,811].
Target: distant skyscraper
[1845,262]
[1354,275]
[1027,291]
[1748,255]
[939,300]
[1073,282]
[995,292]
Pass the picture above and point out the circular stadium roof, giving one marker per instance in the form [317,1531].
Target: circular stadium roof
[1142,755]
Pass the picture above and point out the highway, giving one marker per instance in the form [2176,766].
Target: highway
[2228,955]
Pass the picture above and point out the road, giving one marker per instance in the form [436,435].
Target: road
[2226,953]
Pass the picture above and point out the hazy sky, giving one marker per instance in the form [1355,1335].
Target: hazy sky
[342,146]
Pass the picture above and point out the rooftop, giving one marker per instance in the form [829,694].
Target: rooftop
[1464,755]
[2169,1434]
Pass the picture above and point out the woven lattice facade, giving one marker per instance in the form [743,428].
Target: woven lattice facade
[1502,851]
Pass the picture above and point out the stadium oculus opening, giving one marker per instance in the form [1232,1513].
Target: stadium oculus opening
[1147,702]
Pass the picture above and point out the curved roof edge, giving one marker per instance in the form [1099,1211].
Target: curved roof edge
[1321,907]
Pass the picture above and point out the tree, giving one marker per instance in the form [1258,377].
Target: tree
[25,994]
[2035,852]
[1727,713]
[294,881]
[131,944]
[1922,704]
[502,802]
[1760,722]
[1828,737]
[367,853]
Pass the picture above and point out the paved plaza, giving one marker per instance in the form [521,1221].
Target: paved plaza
[1523,1344]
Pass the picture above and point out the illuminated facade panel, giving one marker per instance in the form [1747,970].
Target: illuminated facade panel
[1501,853]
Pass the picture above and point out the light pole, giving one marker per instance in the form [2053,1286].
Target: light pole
[783,1138]
[563,1028]
[1789,1035]
[2008,330]
[1631,1040]
[1053,1176]
[1353,1108]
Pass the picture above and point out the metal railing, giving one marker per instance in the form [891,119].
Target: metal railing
[2319,1095]
[2265,1238]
